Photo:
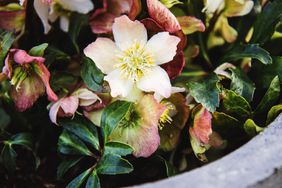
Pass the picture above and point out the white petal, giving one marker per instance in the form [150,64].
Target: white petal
[64,23]
[54,111]
[155,80]
[213,5]
[81,6]
[86,97]
[119,86]
[42,10]
[103,52]
[163,47]
[127,32]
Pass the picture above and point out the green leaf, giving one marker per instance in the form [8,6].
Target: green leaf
[79,180]
[241,84]
[66,165]
[70,144]
[93,181]
[170,170]
[112,164]
[77,21]
[251,128]
[235,105]
[91,75]
[84,129]
[6,41]
[266,22]
[270,98]
[273,113]
[206,92]
[262,75]
[53,54]
[23,139]
[8,157]
[4,119]
[248,51]
[118,148]
[113,114]
[38,50]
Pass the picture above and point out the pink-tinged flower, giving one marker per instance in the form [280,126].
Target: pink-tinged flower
[67,106]
[141,130]
[12,17]
[200,131]
[51,10]
[133,61]
[29,78]
[190,24]
[163,16]
[102,19]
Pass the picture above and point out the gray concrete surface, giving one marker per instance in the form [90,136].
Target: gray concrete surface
[257,164]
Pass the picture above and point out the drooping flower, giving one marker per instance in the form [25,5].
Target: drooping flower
[51,10]
[29,78]
[67,106]
[200,131]
[132,60]
[12,17]
[102,19]
[226,9]
[140,129]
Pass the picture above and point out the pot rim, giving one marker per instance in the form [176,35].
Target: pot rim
[243,167]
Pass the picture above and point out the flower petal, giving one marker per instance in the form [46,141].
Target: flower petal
[42,9]
[163,16]
[64,23]
[155,80]
[21,57]
[143,136]
[127,32]
[163,47]
[211,6]
[190,24]
[81,6]
[103,52]
[119,86]
[175,67]
[86,97]
[238,8]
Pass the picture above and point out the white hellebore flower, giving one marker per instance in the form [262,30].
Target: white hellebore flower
[133,61]
[51,10]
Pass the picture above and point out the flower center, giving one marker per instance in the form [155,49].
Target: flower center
[134,61]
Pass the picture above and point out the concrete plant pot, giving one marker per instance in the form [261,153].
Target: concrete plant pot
[257,164]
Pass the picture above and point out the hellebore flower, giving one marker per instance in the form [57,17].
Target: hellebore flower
[226,9]
[67,106]
[51,10]
[29,78]
[140,128]
[12,17]
[102,19]
[132,60]
[200,131]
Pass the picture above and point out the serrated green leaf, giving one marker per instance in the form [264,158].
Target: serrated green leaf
[206,92]
[4,119]
[91,75]
[112,164]
[266,22]
[262,75]
[235,105]
[79,180]
[251,128]
[273,113]
[112,115]
[77,21]
[23,139]
[6,41]
[270,98]
[66,165]
[93,181]
[241,84]
[8,157]
[70,144]
[118,148]
[248,51]
[38,50]
[84,129]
